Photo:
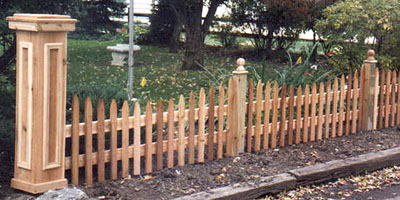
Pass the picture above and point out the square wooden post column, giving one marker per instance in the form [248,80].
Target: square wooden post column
[239,108]
[40,100]
[369,91]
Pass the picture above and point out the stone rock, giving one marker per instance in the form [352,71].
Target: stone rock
[69,193]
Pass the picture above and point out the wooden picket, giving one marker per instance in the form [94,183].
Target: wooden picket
[285,114]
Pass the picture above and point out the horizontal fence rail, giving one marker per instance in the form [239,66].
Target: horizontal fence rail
[140,142]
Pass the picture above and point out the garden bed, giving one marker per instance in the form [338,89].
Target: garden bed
[247,167]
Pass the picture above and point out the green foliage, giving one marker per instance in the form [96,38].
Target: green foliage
[355,21]
[226,35]
[268,18]
[301,72]
[121,35]
[7,110]
[163,21]
[95,93]
[95,16]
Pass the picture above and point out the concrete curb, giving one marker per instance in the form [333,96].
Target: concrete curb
[303,176]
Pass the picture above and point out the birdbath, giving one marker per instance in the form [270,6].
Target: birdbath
[120,53]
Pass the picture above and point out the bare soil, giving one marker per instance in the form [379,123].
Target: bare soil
[178,181]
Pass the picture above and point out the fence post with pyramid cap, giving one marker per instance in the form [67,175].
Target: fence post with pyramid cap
[40,100]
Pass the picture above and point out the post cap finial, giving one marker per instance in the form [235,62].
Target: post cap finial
[371,55]
[240,62]
[240,69]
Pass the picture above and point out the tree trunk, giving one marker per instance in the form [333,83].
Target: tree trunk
[194,50]
[174,42]
[270,37]
[189,13]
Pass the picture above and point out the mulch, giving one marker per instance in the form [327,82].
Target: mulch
[178,181]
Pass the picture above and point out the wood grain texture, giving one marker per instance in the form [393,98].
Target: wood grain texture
[201,139]
[267,108]
[375,102]
[298,115]
[313,112]
[393,99]
[75,140]
[283,116]
[387,98]
[125,139]
[100,140]
[258,128]
[274,125]
[88,142]
[335,100]
[221,102]
[381,99]
[361,96]
[229,139]
[191,120]
[181,131]
[171,130]
[113,140]
[328,109]
[321,103]
[341,106]
[149,139]
[355,103]
[291,114]
[211,121]
[306,112]
[160,135]
[250,112]
[136,141]
[348,104]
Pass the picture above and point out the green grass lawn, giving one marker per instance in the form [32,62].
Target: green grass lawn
[89,70]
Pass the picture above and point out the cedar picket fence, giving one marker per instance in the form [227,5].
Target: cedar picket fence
[146,141]
[276,117]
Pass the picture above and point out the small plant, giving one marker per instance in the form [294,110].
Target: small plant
[220,75]
[301,72]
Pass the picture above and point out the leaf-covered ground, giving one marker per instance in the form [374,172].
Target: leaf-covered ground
[380,184]
[89,67]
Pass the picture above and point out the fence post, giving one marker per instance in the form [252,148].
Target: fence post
[369,90]
[40,100]
[239,107]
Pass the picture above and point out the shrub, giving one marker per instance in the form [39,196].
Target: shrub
[226,36]
[121,35]
[349,24]
[7,111]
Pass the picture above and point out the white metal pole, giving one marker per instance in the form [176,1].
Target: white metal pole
[131,44]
